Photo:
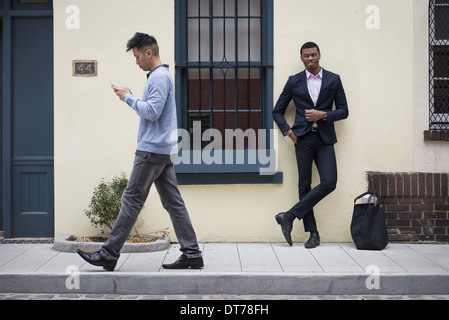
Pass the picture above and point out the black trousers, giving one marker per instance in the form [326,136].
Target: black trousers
[311,148]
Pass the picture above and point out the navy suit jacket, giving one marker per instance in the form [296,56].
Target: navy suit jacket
[331,92]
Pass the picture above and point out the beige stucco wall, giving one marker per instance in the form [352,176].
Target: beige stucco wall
[95,133]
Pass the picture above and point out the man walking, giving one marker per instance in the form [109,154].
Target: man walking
[152,163]
[314,92]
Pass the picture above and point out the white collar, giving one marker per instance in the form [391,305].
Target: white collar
[308,74]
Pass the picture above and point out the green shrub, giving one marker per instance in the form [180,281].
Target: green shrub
[105,203]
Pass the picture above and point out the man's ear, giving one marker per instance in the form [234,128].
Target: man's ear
[149,53]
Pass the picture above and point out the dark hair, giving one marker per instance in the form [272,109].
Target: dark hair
[310,45]
[142,41]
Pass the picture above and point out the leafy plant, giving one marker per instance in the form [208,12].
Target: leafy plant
[105,203]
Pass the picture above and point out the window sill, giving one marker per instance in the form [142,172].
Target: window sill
[185,179]
[436,135]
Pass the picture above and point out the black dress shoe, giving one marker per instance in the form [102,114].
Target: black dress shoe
[185,263]
[313,241]
[97,259]
[285,220]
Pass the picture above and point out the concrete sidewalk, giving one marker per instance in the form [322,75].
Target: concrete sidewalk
[236,269]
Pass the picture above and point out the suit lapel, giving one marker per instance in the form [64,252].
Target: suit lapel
[303,84]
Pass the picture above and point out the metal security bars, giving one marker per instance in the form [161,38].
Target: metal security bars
[224,65]
[439,64]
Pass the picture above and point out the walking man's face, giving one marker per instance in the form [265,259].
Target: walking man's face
[143,58]
[311,59]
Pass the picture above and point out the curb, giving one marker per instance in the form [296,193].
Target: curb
[211,283]
[64,244]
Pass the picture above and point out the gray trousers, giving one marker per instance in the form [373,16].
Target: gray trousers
[143,175]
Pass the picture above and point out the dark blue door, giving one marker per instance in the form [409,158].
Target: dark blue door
[28,148]
[1,131]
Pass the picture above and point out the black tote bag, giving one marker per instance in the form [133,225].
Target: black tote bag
[368,226]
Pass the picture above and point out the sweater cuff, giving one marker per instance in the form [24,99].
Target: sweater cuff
[128,98]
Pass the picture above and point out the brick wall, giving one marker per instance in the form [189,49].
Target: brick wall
[416,205]
[436,135]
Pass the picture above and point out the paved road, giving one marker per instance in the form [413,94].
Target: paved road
[216,297]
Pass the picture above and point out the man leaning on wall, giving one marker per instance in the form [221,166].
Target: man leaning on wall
[314,92]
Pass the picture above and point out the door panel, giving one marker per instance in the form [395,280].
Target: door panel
[32,127]
[1,126]
[33,87]
[32,205]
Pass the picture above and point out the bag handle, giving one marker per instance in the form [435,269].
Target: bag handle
[369,200]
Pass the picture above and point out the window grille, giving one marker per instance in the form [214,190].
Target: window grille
[439,64]
[224,65]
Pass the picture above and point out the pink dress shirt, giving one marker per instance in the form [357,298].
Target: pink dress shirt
[314,86]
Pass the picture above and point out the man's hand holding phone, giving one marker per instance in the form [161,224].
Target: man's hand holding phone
[120,91]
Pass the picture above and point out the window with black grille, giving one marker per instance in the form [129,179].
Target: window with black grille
[224,65]
[439,64]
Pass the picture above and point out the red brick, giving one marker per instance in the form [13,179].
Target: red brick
[391,185]
[414,184]
[436,185]
[423,223]
[398,181]
[442,238]
[411,200]
[434,200]
[441,207]
[407,184]
[426,238]
[435,215]
[410,215]
[411,230]
[442,223]
[444,185]
[374,182]
[399,207]
[399,237]
[435,135]
[439,230]
[422,207]
[391,215]
[429,184]
[421,184]
[398,223]
[388,200]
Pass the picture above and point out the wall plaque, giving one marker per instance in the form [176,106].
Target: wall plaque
[85,68]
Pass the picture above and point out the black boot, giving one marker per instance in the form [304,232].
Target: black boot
[313,241]
[285,220]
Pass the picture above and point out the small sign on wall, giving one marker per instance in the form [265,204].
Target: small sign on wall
[85,68]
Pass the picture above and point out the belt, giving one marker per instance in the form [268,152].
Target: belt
[314,129]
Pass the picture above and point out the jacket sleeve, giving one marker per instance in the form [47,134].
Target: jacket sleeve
[341,111]
[281,107]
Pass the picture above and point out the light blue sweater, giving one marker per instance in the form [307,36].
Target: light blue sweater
[157,112]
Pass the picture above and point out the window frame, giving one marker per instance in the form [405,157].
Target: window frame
[181,94]
[437,120]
